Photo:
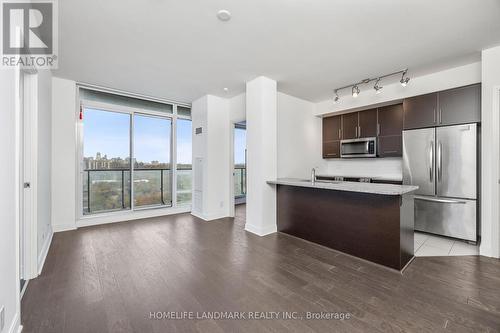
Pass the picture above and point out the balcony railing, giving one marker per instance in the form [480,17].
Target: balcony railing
[107,190]
[240,181]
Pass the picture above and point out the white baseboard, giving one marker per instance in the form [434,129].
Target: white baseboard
[128,216]
[63,227]
[259,231]
[45,250]
[210,217]
[16,327]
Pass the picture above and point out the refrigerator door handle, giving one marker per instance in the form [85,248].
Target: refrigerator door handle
[439,161]
[440,200]
[431,164]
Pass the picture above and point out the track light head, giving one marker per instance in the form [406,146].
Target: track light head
[336,98]
[355,91]
[404,79]
[378,89]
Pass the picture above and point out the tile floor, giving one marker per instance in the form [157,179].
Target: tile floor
[431,245]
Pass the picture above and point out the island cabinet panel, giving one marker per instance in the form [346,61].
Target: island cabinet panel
[460,105]
[375,227]
[420,111]
[367,123]
[350,126]
[332,128]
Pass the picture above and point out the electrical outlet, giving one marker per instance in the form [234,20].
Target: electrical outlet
[2,318]
[221,204]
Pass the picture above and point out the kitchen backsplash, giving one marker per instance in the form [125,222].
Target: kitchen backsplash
[376,167]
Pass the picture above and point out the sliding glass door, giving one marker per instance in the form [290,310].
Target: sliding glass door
[152,164]
[106,161]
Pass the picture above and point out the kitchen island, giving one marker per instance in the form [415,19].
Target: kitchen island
[370,221]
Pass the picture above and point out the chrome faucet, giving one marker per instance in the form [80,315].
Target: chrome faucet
[313,175]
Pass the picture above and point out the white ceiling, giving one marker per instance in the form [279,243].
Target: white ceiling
[179,50]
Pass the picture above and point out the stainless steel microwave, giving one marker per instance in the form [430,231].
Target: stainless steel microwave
[362,147]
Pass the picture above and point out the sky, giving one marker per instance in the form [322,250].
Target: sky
[240,139]
[109,133]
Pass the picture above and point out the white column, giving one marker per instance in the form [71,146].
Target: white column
[261,111]
[211,157]
[490,229]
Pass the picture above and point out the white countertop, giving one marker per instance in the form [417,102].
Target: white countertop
[383,189]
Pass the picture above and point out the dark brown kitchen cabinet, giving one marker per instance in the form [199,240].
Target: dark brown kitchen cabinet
[390,146]
[390,128]
[390,120]
[332,133]
[331,149]
[350,125]
[332,128]
[367,123]
[420,111]
[460,105]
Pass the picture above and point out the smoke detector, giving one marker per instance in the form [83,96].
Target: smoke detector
[224,15]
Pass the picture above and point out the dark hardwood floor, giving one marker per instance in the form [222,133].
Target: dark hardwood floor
[109,278]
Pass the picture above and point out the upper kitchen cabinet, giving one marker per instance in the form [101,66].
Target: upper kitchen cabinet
[332,128]
[420,111]
[350,126]
[331,149]
[332,133]
[460,106]
[390,123]
[390,120]
[367,123]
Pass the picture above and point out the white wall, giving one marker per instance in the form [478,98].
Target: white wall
[63,154]
[44,155]
[490,231]
[212,196]
[237,108]
[9,284]
[299,138]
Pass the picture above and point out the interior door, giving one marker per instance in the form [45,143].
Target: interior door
[456,159]
[419,161]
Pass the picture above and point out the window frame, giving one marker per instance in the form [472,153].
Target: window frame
[81,105]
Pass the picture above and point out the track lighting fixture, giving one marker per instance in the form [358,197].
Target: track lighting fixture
[404,80]
[355,91]
[377,87]
[336,98]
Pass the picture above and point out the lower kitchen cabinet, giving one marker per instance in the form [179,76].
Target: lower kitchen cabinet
[390,146]
[331,149]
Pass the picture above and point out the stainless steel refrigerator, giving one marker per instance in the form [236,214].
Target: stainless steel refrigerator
[442,161]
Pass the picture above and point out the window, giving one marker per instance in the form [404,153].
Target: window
[116,130]
[152,168]
[240,168]
[106,159]
[184,161]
